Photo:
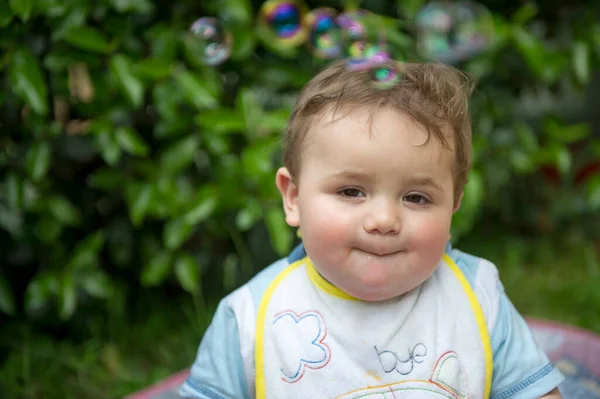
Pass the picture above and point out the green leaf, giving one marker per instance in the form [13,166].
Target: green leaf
[51,8]
[132,6]
[409,8]
[521,161]
[130,85]
[280,233]
[250,108]
[180,155]
[154,69]
[38,160]
[525,13]
[86,252]
[67,299]
[248,216]
[7,299]
[195,90]
[282,75]
[171,195]
[204,206]
[63,211]
[567,134]
[527,137]
[164,42]
[5,15]
[231,266]
[187,272]
[142,201]
[87,38]
[595,144]
[76,18]
[531,49]
[131,141]
[217,144]
[11,220]
[157,269]
[176,232]
[563,160]
[14,190]
[474,191]
[40,291]
[48,229]
[581,62]
[221,121]
[274,121]
[97,284]
[21,8]
[27,81]
[110,149]
[244,42]
[593,189]
[257,158]
[238,12]
[105,179]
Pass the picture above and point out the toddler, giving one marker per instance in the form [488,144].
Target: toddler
[375,303]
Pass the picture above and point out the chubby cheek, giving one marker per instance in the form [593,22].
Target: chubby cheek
[429,237]
[323,226]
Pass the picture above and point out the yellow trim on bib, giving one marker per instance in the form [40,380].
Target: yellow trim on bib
[259,346]
[480,318]
[323,284]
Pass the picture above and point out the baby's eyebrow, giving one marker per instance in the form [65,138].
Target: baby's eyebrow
[424,181]
[420,181]
[351,174]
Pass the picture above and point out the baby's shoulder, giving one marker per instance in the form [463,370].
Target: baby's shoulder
[483,278]
[247,298]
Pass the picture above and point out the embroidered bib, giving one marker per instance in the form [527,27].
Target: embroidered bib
[314,342]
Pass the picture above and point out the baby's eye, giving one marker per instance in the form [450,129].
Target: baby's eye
[352,192]
[417,199]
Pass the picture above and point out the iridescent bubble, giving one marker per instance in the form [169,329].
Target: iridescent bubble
[325,36]
[215,42]
[386,76]
[453,32]
[359,28]
[368,56]
[284,22]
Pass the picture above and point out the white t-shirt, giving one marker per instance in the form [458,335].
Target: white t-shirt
[288,333]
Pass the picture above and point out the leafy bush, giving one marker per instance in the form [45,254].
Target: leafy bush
[128,164]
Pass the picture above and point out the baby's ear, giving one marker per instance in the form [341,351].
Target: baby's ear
[289,192]
[457,202]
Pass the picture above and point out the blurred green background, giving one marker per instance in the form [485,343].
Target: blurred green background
[137,184]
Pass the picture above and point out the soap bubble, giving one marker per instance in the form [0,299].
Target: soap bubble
[360,28]
[368,56]
[453,32]
[284,23]
[325,37]
[387,75]
[215,42]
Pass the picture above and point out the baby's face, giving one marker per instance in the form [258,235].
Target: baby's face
[374,209]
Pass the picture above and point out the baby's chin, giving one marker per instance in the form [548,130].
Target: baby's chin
[375,295]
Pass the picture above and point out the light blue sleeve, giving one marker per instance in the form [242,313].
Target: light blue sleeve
[521,368]
[218,371]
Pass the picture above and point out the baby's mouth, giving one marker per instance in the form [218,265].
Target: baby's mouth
[380,252]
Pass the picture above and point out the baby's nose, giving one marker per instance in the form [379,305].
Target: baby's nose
[384,219]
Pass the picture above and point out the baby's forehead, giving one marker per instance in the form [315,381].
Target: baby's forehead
[368,119]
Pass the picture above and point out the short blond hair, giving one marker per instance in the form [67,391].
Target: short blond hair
[434,95]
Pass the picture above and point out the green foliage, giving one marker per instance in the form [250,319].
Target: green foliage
[128,164]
